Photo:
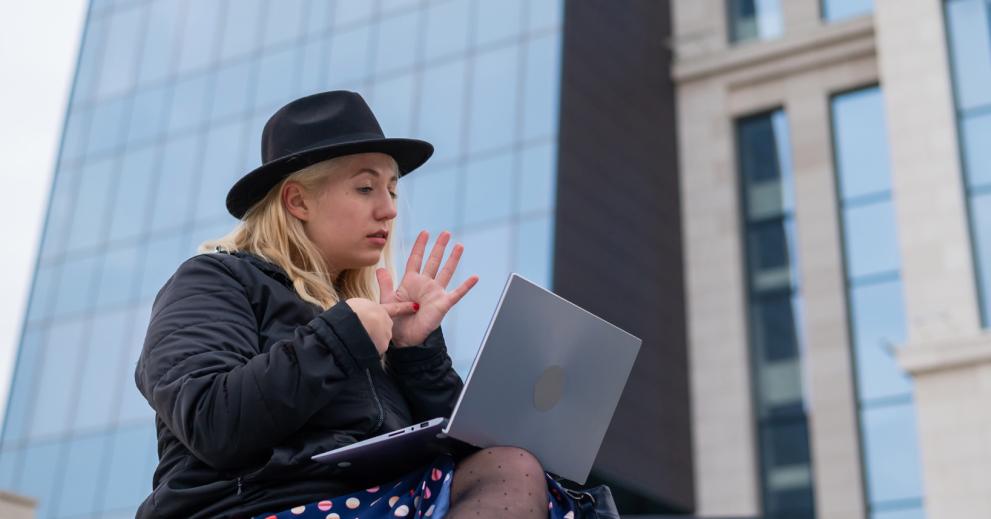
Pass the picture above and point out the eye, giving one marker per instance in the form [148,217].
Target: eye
[369,189]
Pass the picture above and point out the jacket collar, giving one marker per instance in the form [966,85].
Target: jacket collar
[265,266]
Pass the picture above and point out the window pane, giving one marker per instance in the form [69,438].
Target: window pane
[538,178]
[397,36]
[178,170]
[230,90]
[870,239]
[23,387]
[76,284]
[443,87]
[129,474]
[541,86]
[545,15]
[976,134]
[199,35]
[754,19]
[160,36]
[970,52]
[535,249]
[90,208]
[493,107]
[316,55]
[488,189]
[188,103]
[241,29]
[56,379]
[10,465]
[220,169]
[861,143]
[130,206]
[878,324]
[348,56]
[74,135]
[283,22]
[119,56]
[393,104]
[81,476]
[891,442]
[106,128]
[350,12]
[116,285]
[276,75]
[318,16]
[497,21]
[148,114]
[835,10]
[447,29]
[38,473]
[429,200]
[133,406]
[42,296]
[59,211]
[487,254]
[102,365]
[162,257]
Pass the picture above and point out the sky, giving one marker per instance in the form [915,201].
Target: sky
[39,42]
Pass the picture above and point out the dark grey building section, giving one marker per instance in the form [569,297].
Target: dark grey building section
[618,244]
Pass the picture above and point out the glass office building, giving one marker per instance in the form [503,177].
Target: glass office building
[166,112]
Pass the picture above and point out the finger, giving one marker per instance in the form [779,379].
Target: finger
[416,255]
[455,295]
[436,254]
[398,309]
[386,293]
[452,263]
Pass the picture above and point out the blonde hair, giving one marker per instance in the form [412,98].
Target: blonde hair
[269,231]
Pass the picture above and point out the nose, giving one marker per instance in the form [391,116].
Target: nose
[386,210]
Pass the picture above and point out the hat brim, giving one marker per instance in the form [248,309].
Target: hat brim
[251,188]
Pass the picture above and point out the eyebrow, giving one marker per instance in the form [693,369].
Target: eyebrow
[373,172]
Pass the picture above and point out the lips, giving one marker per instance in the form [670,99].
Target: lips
[379,234]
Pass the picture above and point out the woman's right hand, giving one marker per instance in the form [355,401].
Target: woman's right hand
[377,318]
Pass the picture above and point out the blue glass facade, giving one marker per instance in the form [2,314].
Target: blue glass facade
[968,27]
[166,113]
[889,439]
[775,312]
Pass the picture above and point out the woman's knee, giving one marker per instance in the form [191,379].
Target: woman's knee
[506,461]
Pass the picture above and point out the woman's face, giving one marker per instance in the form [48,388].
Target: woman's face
[357,201]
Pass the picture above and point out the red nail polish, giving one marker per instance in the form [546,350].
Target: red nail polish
[416,307]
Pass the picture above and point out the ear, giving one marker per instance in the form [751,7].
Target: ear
[295,201]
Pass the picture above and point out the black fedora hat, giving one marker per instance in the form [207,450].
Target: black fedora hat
[316,128]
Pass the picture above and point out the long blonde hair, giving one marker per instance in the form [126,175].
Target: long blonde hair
[269,231]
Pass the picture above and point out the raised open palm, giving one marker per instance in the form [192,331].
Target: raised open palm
[427,287]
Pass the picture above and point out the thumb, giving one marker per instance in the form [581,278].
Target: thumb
[396,309]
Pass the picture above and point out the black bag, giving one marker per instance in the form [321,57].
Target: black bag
[594,502]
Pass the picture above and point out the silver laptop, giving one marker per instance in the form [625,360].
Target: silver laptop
[547,378]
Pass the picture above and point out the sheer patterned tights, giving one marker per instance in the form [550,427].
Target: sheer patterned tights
[498,482]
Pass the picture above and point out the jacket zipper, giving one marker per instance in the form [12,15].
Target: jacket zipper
[381,417]
[239,485]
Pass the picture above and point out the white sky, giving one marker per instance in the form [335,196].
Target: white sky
[39,40]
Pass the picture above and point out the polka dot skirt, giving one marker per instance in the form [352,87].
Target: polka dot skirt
[419,494]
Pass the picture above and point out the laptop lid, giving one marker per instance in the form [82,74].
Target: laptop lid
[546,378]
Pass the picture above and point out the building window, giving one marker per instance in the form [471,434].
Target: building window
[875,302]
[837,10]
[968,28]
[754,19]
[774,308]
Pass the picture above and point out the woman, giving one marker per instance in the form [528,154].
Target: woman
[289,341]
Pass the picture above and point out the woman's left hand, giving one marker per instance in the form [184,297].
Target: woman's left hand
[428,288]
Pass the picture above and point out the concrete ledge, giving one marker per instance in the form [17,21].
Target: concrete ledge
[945,354]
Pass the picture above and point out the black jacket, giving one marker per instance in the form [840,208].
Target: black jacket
[248,381]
